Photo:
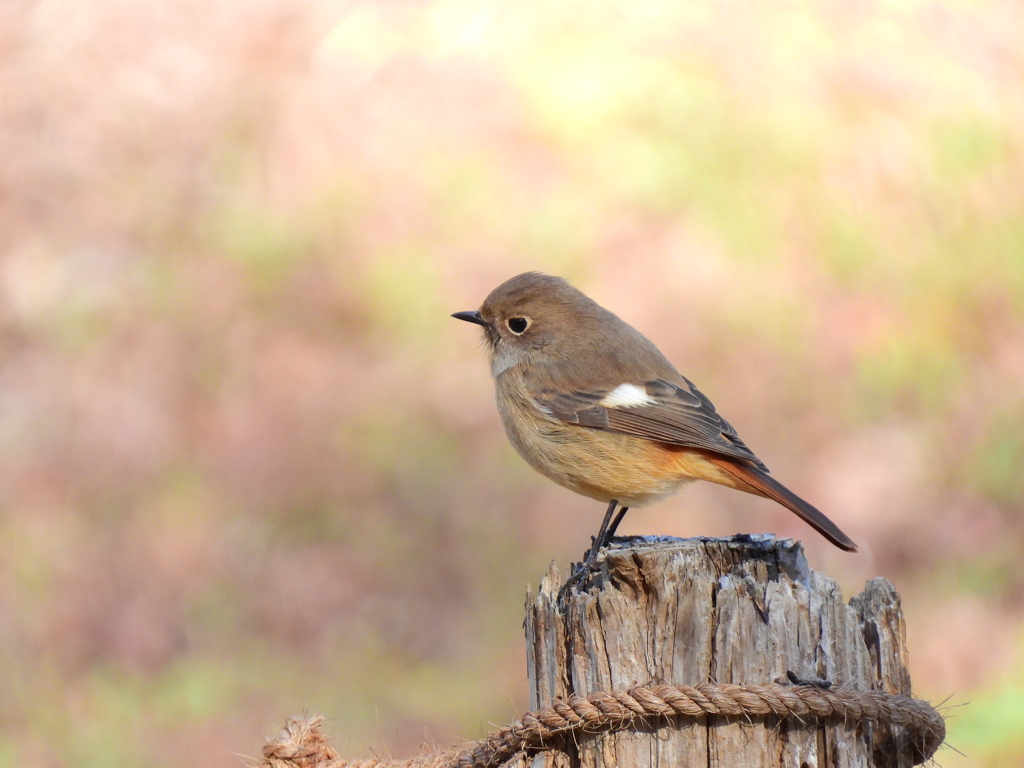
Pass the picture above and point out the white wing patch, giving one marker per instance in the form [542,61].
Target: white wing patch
[627,396]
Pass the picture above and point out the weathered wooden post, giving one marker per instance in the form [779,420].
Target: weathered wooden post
[695,652]
[741,610]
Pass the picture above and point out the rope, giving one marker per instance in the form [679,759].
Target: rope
[303,745]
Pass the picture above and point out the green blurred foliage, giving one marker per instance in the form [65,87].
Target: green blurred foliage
[995,466]
[987,729]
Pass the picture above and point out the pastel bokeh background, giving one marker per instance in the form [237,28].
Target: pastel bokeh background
[249,465]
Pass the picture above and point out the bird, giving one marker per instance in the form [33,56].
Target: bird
[589,402]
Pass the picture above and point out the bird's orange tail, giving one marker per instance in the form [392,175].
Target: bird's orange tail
[763,484]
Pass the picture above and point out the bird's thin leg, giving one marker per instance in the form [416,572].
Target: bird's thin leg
[610,533]
[588,564]
[604,532]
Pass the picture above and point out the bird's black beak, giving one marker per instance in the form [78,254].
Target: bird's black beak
[470,317]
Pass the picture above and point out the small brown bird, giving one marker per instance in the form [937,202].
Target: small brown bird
[591,403]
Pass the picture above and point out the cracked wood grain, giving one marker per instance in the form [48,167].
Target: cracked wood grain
[744,610]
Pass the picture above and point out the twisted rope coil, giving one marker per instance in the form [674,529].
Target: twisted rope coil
[303,745]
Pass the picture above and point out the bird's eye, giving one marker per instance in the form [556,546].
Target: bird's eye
[518,325]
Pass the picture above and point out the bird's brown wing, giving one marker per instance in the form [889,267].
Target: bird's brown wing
[674,414]
[682,415]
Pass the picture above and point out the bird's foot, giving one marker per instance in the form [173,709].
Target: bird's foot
[581,572]
[577,576]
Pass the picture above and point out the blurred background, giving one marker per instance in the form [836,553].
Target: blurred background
[248,464]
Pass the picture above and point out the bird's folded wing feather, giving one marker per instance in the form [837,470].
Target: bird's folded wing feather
[655,410]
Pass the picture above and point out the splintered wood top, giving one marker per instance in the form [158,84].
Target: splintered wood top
[738,610]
